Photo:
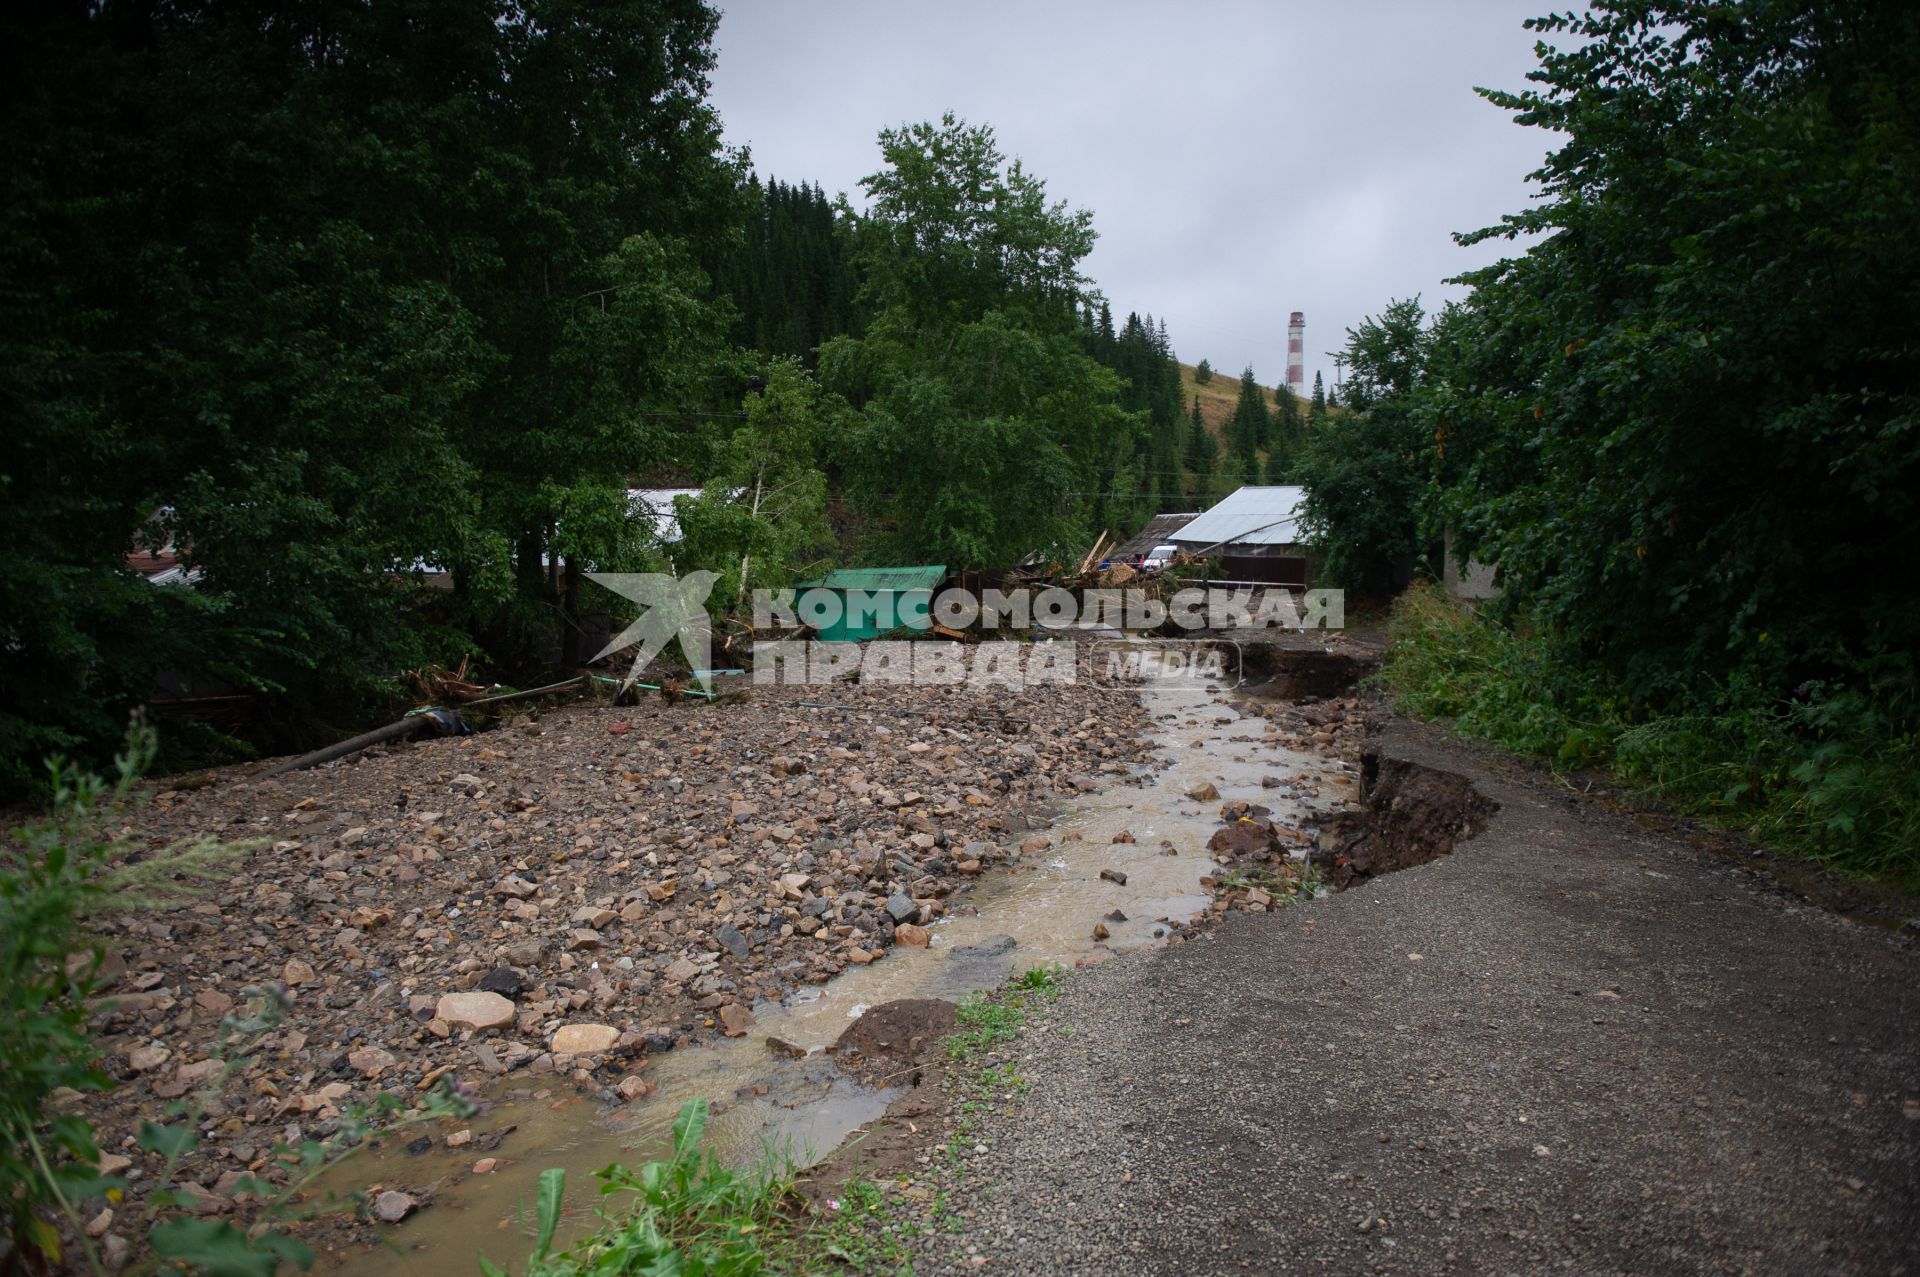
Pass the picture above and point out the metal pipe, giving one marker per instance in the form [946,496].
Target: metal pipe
[578,680]
[392,731]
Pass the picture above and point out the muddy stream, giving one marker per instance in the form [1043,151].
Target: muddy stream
[1039,911]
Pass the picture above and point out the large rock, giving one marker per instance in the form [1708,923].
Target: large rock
[504,981]
[475,1010]
[900,906]
[732,940]
[1242,838]
[991,947]
[370,1060]
[585,1039]
[393,1206]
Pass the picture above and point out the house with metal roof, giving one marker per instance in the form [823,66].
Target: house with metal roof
[1249,521]
[1159,531]
[1257,535]
[875,601]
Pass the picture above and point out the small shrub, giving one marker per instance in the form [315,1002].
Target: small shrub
[688,1215]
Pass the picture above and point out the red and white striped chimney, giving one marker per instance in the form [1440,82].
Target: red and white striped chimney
[1296,368]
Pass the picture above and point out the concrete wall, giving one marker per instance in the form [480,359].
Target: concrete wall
[1471,579]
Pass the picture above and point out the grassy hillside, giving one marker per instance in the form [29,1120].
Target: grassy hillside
[1218,396]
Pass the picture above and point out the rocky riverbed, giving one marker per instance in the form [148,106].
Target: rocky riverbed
[564,896]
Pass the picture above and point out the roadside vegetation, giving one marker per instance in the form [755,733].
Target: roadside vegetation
[1824,774]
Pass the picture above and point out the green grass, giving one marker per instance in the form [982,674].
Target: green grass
[1830,773]
[976,1081]
[990,1018]
[862,1232]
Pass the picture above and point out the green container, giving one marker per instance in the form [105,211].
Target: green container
[873,601]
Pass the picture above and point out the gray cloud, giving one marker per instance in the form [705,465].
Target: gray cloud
[1242,160]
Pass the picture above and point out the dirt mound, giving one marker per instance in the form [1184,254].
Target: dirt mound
[894,1037]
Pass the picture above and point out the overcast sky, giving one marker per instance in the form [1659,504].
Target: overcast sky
[1242,160]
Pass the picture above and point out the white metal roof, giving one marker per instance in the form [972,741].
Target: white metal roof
[1250,516]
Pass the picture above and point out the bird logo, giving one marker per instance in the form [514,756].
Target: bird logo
[671,607]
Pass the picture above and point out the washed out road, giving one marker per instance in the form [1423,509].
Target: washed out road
[1572,1045]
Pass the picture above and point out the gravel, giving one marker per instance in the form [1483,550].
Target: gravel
[644,875]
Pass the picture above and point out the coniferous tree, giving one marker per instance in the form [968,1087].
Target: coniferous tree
[1202,457]
[792,281]
[1249,427]
[1288,433]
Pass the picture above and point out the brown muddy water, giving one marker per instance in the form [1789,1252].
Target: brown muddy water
[1046,907]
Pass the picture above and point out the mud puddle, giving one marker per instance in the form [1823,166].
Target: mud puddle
[1040,910]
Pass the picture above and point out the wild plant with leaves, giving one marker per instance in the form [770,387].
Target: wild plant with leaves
[56,874]
[685,1214]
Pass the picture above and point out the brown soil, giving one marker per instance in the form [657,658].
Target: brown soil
[1409,814]
[886,1044]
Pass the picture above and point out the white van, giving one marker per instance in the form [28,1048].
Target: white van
[1158,557]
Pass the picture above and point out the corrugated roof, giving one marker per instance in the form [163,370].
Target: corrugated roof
[1159,531]
[1251,516]
[921,577]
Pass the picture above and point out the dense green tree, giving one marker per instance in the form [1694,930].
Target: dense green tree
[792,279]
[761,520]
[1248,429]
[331,295]
[1285,438]
[985,426]
[1367,474]
[1202,458]
[1683,422]
[1202,373]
